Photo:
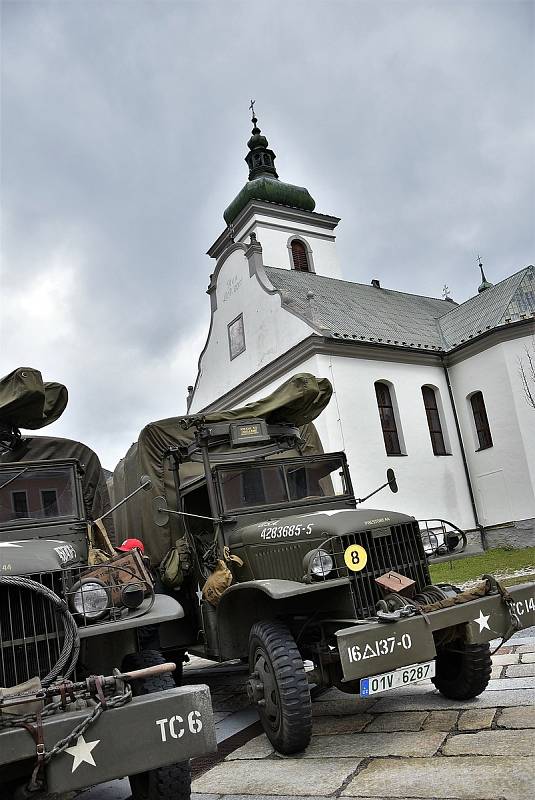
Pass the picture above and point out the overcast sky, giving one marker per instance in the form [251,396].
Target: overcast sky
[123,129]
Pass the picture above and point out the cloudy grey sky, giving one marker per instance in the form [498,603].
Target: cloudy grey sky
[123,132]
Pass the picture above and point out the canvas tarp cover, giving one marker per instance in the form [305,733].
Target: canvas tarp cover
[297,402]
[26,401]
[44,448]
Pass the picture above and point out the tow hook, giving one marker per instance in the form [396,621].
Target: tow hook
[255,689]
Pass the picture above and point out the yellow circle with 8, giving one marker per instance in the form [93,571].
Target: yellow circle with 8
[355,557]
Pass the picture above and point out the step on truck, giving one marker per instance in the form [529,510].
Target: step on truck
[86,694]
[276,562]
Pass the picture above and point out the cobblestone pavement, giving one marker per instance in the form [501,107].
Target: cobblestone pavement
[407,743]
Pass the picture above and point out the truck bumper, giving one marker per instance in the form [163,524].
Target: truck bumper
[376,647]
[150,731]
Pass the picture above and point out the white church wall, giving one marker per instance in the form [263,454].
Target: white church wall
[502,475]
[274,240]
[513,352]
[429,486]
[269,331]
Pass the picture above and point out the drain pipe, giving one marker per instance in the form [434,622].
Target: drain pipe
[479,526]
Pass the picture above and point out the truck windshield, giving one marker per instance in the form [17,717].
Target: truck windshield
[274,484]
[37,493]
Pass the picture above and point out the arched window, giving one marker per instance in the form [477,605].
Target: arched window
[388,419]
[433,420]
[481,421]
[300,256]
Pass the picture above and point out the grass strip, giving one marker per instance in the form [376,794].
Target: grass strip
[466,569]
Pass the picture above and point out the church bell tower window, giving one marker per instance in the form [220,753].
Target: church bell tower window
[300,256]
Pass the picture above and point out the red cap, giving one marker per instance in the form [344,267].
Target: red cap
[129,544]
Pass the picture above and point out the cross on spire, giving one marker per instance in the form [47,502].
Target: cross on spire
[251,108]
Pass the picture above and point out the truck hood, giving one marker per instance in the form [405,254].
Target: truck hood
[315,523]
[27,556]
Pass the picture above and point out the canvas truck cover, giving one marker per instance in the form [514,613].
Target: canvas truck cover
[26,401]
[44,448]
[297,402]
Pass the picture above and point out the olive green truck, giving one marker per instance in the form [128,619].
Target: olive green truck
[298,579]
[86,695]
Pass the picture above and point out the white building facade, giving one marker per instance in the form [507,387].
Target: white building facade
[426,386]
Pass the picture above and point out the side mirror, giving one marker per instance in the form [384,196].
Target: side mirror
[391,480]
[145,483]
[160,515]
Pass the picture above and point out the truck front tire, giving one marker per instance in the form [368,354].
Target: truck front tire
[462,670]
[165,783]
[285,707]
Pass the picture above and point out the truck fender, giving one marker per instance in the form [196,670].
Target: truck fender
[245,603]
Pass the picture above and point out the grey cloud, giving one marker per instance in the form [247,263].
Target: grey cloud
[123,135]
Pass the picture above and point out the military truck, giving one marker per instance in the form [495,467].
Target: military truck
[85,695]
[262,539]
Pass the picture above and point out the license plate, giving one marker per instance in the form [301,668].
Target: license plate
[399,677]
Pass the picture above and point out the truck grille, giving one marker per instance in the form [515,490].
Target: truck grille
[398,548]
[30,633]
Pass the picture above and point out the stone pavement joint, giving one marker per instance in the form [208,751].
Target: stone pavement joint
[345,745]
[490,743]
[520,671]
[497,777]
[342,724]
[476,718]
[434,701]
[282,776]
[441,720]
[517,717]
[505,658]
[526,648]
[527,658]
[403,721]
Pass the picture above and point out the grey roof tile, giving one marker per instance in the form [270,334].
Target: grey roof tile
[347,310]
[504,303]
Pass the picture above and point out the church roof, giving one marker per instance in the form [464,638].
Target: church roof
[347,310]
[509,301]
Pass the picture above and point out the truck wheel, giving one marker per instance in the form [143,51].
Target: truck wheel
[279,685]
[165,783]
[462,670]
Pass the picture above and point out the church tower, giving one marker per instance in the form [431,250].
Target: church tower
[281,215]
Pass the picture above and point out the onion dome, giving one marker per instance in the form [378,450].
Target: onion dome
[263,183]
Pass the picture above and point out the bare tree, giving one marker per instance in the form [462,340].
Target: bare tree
[527,373]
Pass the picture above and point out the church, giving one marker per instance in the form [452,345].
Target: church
[423,385]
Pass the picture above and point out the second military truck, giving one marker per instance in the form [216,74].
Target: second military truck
[261,538]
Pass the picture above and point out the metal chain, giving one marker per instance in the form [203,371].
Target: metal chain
[45,756]
[80,729]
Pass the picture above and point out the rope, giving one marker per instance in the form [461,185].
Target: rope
[71,643]
[480,590]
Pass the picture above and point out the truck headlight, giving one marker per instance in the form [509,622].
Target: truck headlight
[318,563]
[90,599]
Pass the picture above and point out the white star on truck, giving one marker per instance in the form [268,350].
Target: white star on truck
[483,621]
[81,752]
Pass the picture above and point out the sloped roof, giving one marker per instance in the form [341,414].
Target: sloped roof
[347,310]
[508,301]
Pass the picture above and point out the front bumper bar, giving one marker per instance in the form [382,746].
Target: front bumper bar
[150,731]
[377,647]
